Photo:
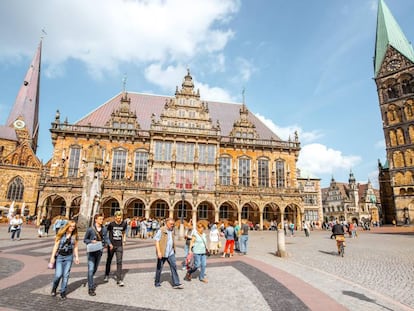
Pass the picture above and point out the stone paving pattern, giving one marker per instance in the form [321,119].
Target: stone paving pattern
[377,273]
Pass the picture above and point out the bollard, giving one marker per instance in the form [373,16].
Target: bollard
[281,246]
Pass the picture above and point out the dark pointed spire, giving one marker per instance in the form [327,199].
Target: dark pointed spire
[26,105]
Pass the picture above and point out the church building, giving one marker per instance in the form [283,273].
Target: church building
[20,168]
[394,77]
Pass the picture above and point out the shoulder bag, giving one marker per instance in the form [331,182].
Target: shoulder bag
[94,247]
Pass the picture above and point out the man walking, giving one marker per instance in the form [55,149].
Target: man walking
[165,249]
[117,237]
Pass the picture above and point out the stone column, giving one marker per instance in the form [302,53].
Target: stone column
[281,245]
[91,194]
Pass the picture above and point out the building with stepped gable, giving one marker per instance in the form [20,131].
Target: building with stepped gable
[174,156]
[351,202]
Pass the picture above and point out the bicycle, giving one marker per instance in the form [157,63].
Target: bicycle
[340,242]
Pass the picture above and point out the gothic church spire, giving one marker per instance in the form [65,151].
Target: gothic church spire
[389,33]
[26,105]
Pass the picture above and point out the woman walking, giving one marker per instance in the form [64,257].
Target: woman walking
[64,251]
[199,249]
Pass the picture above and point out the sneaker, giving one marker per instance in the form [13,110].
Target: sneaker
[91,292]
[120,283]
[63,296]
[178,286]
[204,280]
[184,268]
[106,278]
[157,285]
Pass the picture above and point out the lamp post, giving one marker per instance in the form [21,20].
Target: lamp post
[181,232]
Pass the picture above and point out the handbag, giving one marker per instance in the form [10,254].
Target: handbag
[207,250]
[94,247]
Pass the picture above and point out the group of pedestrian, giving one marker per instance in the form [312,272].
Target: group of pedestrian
[97,238]
[113,237]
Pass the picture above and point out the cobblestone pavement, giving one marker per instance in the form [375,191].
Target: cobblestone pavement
[376,274]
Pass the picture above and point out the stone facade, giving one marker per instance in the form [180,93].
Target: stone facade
[351,202]
[184,159]
[394,79]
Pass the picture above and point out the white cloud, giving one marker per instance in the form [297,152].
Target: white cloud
[104,33]
[165,78]
[319,159]
[245,68]
[289,131]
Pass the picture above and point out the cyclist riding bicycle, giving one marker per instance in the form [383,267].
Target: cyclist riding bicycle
[339,233]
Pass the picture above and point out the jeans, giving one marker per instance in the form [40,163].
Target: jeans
[173,267]
[15,233]
[243,243]
[186,248]
[63,265]
[118,251]
[200,261]
[93,263]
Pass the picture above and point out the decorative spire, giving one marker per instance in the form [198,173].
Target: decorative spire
[389,33]
[187,87]
[124,81]
[26,105]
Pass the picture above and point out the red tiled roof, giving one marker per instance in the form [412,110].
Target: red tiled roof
[146,104]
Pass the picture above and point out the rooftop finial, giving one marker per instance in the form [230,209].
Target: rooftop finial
[44,33]
[124,80]
[243,92]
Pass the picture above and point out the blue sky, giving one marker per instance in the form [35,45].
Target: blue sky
[305,65]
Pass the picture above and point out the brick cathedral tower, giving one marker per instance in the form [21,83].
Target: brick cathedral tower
[20,168]
[394,77]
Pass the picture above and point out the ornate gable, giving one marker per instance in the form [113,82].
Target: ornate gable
[393,62]
[22,156]
[244,128]
[123,118]
[185,113]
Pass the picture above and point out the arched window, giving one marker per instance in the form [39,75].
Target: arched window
[224,171]
[263,172]
[15,191]
[244,172]
[141,166]
[118,164]
[280,174]
[74,160]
